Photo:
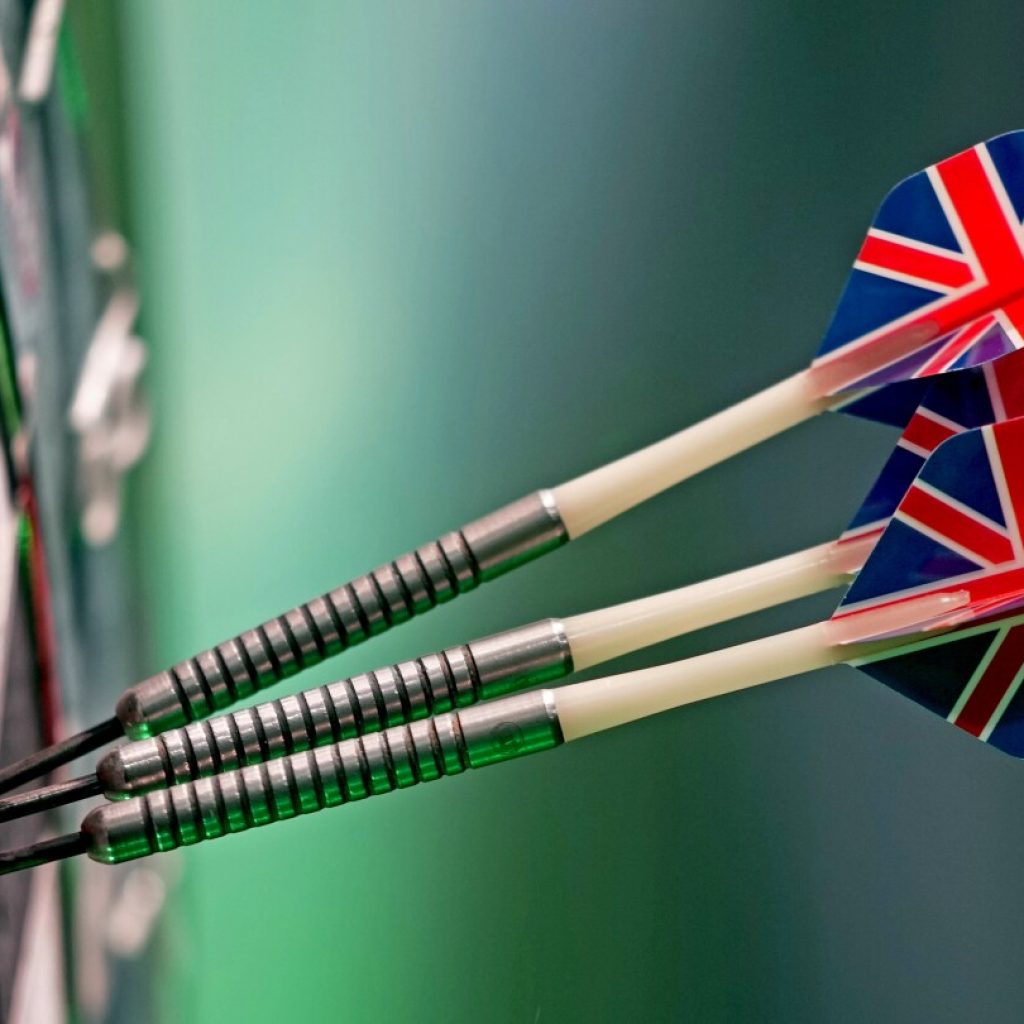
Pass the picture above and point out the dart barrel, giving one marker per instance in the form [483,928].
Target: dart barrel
[408,691]
[389,595]
[354,769]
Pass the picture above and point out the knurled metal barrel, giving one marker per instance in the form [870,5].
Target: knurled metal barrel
[363,704]
[364,766]
[410,585]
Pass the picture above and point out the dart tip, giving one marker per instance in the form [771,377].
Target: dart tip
[45,852]
[44,761]
[46,798]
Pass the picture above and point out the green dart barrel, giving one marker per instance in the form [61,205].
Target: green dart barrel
[407,691]
[354,769]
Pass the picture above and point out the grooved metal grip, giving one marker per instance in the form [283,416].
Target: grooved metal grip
[315,779]
[414,583]
[366,703]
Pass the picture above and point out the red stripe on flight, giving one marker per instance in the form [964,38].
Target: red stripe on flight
[994,241]
[992,686]
[1009,439]
[963,531]
[887,254]
[1009,381]
[925,433]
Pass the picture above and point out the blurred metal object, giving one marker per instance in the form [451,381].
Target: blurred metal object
[40,50]
[132,916]
[27,372]
[110,252]
[109,414]
[116,913]
[93,896]
[38,996]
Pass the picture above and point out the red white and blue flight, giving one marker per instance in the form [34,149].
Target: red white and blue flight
[958,530]
[938,283]
[951,404]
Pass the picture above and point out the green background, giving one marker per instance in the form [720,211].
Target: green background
[405,261]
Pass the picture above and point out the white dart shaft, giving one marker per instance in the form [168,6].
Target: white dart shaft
[607,633]
[594,498]
[586,708]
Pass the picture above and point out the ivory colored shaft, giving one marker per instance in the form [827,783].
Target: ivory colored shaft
[589,707]
[602,494]
[607,633]
[585,708]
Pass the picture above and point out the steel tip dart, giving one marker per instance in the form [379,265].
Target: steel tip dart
[937,613]
[544,650]
[936,286]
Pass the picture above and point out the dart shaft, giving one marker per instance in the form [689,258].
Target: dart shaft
[604,493]
[354,769]
[363,704]
[607,633]
[391,594]
[600,704]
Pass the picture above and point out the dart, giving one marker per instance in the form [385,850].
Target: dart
[936,286]
[455,677]
[545,650]
[937,614]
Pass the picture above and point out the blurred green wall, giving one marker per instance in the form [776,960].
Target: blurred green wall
[405,261]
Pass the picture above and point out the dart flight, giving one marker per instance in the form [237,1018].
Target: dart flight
[936,286]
